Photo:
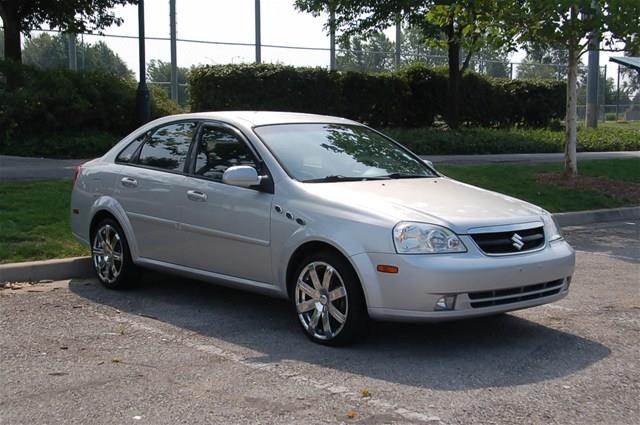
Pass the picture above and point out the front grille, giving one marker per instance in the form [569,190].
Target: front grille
[510,242]
[514,295]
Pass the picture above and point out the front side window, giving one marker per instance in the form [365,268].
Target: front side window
[219,149]
[167,148]
[337,152]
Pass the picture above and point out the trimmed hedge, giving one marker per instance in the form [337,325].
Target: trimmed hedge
[412,97]
[59,101]
[477,141]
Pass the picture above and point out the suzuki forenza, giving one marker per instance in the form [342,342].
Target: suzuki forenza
[338,218]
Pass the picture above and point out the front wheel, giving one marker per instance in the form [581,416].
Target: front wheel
[328,299]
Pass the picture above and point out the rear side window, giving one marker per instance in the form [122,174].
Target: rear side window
[168,146]
[127,154]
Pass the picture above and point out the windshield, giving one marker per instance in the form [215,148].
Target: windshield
[337,152]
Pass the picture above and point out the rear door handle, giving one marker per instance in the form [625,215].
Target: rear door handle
[129,182]
[194,195]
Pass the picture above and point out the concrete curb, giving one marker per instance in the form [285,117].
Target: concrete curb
[58,269]
[597,216]
[80,267]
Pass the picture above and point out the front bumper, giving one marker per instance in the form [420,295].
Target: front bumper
[482,284]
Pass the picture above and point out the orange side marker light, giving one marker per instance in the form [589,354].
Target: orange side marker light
[384,268]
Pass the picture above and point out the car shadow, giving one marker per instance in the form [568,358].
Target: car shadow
[496,351]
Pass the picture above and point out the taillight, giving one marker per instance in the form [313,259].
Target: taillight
[76,174]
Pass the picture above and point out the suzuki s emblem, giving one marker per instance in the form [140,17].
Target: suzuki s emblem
[517,241]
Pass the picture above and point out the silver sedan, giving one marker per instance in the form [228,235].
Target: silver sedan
[333,215]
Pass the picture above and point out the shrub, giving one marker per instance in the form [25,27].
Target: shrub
[52,102]
[432,141]
[411,97]
[263,87]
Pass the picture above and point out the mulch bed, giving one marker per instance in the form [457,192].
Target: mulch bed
[623,191]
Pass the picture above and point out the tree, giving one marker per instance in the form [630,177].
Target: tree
[493,62]
[457,25]
[372,54]
[542,61]
[570,24]
[46,51]
[159,71]
[75,16]
[415,49]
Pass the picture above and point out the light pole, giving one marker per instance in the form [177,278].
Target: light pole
[73,56]
[332,37]
[593,76]
[174,50]
[398,40]
[143,106]
[258,41]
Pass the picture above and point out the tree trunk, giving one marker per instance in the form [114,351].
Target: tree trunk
[453,109]
[570,144]
[12,47]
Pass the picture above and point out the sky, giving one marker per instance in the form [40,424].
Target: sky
[233,21]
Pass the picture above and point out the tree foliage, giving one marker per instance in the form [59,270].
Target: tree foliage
[372,54]
[457,25]
[159,71]
[570,25]
[74,16]
[46,52]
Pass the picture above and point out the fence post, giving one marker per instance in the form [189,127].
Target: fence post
[174,50]
[142,93]
[398,40]
[332,37]
[618,95]
[73,56]
[258,41]
[593,76]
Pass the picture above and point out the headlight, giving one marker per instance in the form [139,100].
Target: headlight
[551,227]
[422,238]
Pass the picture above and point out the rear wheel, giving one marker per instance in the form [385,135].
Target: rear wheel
[328,299]
[111,257]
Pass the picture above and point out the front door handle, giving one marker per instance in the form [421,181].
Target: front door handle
[129,182]
[194,195]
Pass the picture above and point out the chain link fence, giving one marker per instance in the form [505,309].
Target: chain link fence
[191,52]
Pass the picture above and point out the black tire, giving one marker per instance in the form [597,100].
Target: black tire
[356,311]
[128,272]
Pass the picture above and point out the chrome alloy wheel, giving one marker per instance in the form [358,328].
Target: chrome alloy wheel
[321,300]
[107,253]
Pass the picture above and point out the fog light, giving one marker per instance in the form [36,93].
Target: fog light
[446,303]
[567,282]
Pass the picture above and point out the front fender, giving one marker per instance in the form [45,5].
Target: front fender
[333,233]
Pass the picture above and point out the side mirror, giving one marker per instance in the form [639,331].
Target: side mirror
[242,176]
[429,163]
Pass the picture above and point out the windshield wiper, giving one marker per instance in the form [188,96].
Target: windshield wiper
[404,176]
[340,178]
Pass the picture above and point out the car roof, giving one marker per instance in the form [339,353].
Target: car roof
[257,118]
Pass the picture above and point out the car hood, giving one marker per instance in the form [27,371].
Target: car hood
[441,200]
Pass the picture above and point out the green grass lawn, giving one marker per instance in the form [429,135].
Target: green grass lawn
[630,125]
[34,221]
[34,216]
[519,180]
[476,140]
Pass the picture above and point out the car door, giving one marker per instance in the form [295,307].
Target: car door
[227,227]
[149,188]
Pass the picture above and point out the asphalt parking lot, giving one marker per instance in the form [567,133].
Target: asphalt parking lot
[178,351]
